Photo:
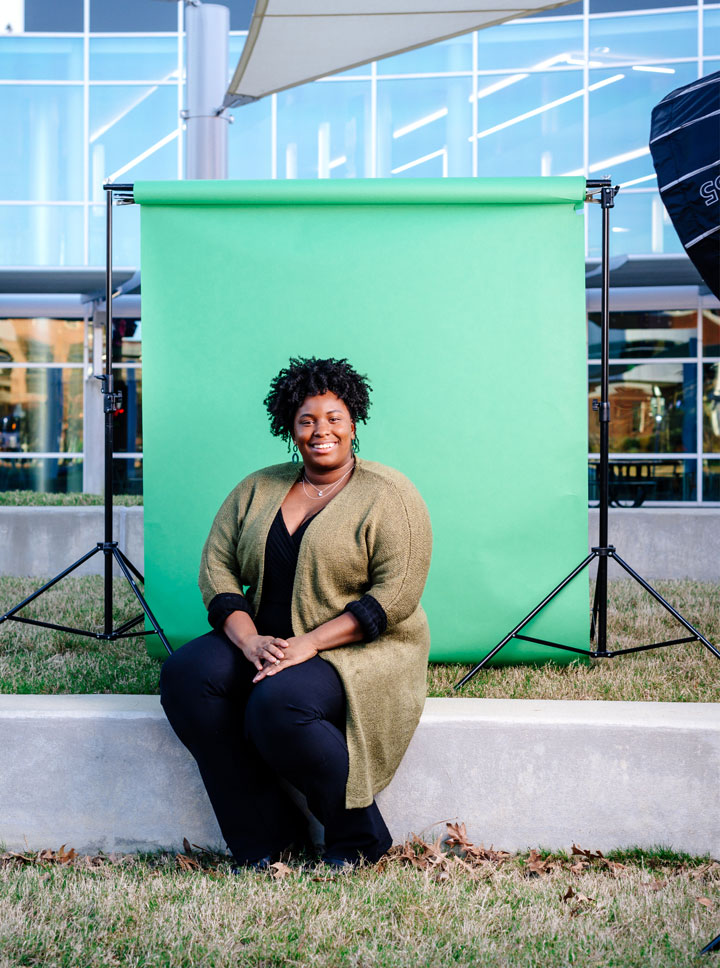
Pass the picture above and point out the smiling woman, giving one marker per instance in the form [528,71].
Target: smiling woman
[315,668]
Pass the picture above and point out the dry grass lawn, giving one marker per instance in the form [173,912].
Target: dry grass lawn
[130,911]
[34,660]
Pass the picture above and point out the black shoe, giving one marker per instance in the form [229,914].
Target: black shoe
[264,864]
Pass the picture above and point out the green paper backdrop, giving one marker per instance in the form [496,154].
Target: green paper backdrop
[463,301]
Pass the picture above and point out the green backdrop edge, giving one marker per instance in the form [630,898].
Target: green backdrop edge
[468,318]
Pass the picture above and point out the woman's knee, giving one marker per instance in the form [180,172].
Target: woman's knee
[204,664]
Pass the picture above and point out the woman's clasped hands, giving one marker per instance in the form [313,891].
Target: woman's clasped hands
[271,655]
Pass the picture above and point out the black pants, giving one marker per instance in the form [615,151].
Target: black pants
[243,736]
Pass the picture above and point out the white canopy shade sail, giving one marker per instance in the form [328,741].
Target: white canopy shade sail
[294,41]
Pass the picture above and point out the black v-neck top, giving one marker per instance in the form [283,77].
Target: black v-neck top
[274,616]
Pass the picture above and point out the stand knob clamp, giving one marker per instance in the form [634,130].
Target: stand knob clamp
[112,398]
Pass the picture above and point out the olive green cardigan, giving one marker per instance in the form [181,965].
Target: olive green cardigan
[373,538]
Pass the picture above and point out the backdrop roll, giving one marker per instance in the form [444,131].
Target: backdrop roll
[463,301]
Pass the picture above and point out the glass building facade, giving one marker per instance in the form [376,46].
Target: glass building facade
[92,90]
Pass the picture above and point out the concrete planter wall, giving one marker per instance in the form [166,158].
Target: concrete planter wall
[659,543]
[106,772]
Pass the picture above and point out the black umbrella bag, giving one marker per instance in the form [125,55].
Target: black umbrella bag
[685,148]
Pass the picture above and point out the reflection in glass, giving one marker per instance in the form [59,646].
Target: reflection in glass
[652,408]
[639,226]
[711,332]
[711,408]
[711,36]
[49,15]
[250,141]
[448,55]
[643,39]
[530,124]
[635,482]
[646,333]
[55,475]
[28,58]
[41,158]
[424,127]
[711,480]
[132,16]
[621,102]
[127,433]
[41,340]
[133,58]
[41,409]
[42,235]
[127,475]
[323,130]
[126,234]
[126,341]
[125,123]
[520,45]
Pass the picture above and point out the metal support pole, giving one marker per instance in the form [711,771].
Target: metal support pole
[207,28]
[109,415]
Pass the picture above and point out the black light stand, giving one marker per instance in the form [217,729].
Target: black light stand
[604,551]
[112,401]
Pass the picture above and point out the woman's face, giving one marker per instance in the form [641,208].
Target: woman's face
[323,431]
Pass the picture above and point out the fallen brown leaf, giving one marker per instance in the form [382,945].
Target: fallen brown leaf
[705,901]
[279,870]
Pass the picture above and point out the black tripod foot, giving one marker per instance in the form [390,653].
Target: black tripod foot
[714,945]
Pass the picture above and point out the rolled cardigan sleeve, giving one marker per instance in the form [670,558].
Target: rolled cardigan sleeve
[399,548]
[219,570]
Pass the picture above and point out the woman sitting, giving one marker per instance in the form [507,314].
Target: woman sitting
[315,669]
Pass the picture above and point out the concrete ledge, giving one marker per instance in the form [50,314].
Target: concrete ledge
[106,772]
[656,542]
[41,541]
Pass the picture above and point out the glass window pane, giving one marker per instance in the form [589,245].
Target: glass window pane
[41,340]
[711,408]
[634,482]
[127,475]
[41,58]
[323,130]
[524,44]
[125,124]
[62,475]
[652,408]
[646,333]
[250,141]
[711,35]
[42,159]
[711,480]
[128,420]
[41,235]
[126,235]
[424,127]
[649,37]
[133,58]
[711,332]
[621,102]
[639,226]
[449,55]
[126,347]
[63,16]
[41,409]
[530,124]
[132,16]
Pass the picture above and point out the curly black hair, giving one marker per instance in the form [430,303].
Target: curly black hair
[310,377]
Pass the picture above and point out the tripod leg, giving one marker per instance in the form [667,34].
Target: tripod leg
[714,945]
[528,618]
[144,605]
[49,584]
[593,617]
[666,605]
